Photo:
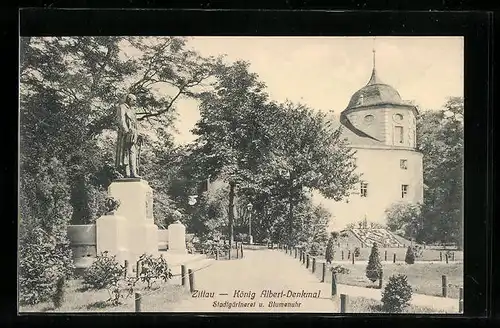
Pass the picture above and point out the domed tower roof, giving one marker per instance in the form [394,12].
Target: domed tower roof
[374,93]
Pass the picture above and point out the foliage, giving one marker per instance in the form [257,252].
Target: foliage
[330,250]
[441,140]
[43,261]
[317,249]
[153,269]
[410,256]
[105,272]
[374,267]
[112,204]
[418,251]
[356,252]
[397,294]
[58,297]
[339,269]
[404,218]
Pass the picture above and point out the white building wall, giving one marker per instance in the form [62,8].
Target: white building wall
[380,168]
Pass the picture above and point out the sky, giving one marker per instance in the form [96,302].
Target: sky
[324,72]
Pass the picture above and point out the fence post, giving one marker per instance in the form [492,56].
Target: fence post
[344,300]
[461,300]
[183,275]
[394,258]
[191,280]
[237,252]
[314,265]
[334,284]
[444,284]
[324,272]
[137,302]
[446,257]
[241,250]
[348,254]
[304,258]
[295,252]
[440,256]
[229,253]
[381,279]
[216,254]
[307,261]
[126,269]
[353,257]
[385,255]
[342,253]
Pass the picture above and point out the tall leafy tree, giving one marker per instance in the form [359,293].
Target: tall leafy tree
[441,140]
[232,134]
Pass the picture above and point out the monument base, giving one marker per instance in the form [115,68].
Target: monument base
[111,236]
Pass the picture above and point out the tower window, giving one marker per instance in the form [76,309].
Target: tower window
[398,134]
[403,163]
[364,189]
[404,191]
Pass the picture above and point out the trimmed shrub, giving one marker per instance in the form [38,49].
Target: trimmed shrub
[340,269]
[397,294]
[43,261]
[104,272]
[374,267]
[410,256]
[357,252]
[330,250]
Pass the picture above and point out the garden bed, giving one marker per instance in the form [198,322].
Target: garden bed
[425,278]
[366,305]
[158,299]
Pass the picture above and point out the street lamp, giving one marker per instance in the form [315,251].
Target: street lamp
[249,208]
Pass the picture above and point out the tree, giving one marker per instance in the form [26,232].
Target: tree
[70,87]
[397,294]
[330,249]
[440,137]
[232,134]
[374,267]
[403,218]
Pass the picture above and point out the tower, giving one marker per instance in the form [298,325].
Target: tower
[381,128]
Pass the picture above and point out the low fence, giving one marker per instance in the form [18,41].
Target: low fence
[311,263]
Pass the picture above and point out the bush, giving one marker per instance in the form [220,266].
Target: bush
[397,294]
[316,249]
[374,267]
[330,250]
[357,252]
[410,256]
[153,269]
[43,260]
[105,272]
[339,269]
[191,249]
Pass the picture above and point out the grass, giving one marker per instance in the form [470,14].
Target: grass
[77,299]
[366,305]
[427,254]
[425,278]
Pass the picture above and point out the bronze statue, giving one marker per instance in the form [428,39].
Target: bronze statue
[128,140]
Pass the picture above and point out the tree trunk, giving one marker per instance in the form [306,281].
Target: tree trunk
[232,192]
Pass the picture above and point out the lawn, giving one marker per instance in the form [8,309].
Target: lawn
[158,299]
[427,254]
[366,305]
[425,278]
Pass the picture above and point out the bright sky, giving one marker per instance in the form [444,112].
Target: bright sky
[323,72]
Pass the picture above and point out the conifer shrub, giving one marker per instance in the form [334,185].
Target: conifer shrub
[374,267]
[397,294]
[410,256]
[330,250]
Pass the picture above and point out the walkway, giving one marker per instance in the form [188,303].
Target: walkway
[244,285]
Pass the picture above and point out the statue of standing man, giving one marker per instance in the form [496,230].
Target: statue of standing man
[128,141]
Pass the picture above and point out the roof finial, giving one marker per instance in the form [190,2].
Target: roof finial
[374,78]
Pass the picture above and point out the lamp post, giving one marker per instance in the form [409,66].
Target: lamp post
[249,208]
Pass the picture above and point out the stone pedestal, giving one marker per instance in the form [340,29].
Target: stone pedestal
[177,238]
[112,236]
[136,206]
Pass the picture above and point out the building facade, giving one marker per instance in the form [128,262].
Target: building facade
[381,127]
